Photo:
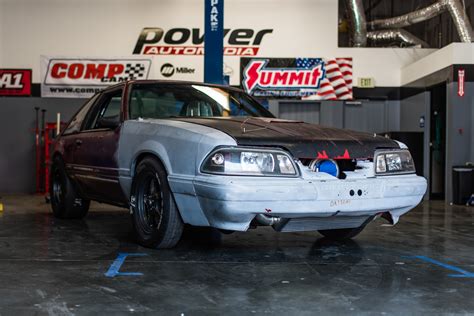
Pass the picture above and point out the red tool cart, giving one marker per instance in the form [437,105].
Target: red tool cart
[44,140]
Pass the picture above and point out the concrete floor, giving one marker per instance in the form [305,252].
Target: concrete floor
[51,266]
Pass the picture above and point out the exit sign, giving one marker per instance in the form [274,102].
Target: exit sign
[365,82]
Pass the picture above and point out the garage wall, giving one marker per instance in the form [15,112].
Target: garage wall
[364,116]
[301,28]
[411,109]
[460,132]
[328,113]
[17,144]
[472,129]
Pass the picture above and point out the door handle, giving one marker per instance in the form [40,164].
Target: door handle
[78,142]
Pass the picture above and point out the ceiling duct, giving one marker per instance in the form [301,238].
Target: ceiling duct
[409,18]
[359,24]
[458,13]
[455,8]
[397,35]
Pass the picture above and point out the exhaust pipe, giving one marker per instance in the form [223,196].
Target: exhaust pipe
[265,220]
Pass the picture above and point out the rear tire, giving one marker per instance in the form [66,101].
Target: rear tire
[155,217]
[65,200]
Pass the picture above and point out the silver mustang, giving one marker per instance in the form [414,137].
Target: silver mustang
[178,153]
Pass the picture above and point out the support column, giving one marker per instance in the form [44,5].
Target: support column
[214,41]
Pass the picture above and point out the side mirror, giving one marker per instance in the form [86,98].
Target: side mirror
[108,122]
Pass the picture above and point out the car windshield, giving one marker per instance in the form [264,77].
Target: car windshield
[190,100]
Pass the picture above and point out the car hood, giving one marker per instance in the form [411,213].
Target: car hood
[302,140]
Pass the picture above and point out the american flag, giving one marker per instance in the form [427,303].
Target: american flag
[337,84]
[307,62]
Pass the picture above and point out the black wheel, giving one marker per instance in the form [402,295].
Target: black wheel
[341,234]
[155,217]
[65,200]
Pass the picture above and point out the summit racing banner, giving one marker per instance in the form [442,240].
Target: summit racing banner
[306,78]
[82,77]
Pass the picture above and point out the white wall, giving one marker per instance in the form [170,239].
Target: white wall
[302,28]
[454,53]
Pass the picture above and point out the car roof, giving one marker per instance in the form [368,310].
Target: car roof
[173,82]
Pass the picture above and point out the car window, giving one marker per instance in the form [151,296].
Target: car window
[76,123]
[107,108]
[167,100]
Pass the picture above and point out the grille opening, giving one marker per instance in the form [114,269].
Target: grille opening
[343,164]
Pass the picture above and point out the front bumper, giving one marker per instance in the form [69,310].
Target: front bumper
[231,203]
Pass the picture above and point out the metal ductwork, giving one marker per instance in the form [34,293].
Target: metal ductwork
[460,19]
[454,7]
[359,24]
[409,18]
[399,35]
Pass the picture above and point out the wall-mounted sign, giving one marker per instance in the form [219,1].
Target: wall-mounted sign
[461,82]
[308,78]
[422,121]
[213,41]
[15,82]
[168,70]
[190,41]
[82,77]
[365,82]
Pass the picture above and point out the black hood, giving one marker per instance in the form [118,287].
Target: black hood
[301,139]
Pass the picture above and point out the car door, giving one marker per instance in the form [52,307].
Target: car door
[95,158]
[68,137]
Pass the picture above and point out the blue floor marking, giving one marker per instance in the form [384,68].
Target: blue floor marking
[463,273]
[114,269]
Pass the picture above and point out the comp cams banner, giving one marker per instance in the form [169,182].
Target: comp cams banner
[306,78]
[82,77]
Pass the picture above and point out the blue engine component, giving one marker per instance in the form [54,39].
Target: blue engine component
[327,166]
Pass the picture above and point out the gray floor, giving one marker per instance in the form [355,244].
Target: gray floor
[50,266]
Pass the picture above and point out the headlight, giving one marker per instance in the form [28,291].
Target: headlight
[249,161]
[394,162]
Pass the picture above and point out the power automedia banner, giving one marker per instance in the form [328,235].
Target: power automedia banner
[80,77]
[306,78]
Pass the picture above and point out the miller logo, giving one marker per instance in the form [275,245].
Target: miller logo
[167,70]
[257,75]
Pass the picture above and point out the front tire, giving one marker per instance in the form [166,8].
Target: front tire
[65,200]
[155,217]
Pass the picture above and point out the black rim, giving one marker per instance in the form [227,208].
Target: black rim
[149,203]
[58,190]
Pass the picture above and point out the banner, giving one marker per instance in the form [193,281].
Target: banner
[189,41]
[306,78]
[15,82]
[82,77]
